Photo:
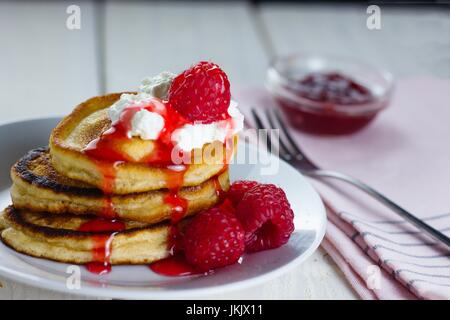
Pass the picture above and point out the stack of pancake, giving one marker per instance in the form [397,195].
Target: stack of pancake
[71,207]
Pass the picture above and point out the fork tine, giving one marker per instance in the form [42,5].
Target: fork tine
[292,143]
[297,154]
[287,153]
[260,126]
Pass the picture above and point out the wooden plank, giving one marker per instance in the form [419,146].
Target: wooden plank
[46,69]
[146,38]
[410,42]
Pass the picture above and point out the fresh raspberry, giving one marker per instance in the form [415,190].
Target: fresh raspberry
[238,190]
[213,239]
[201,93]
[267,217]
[228,206]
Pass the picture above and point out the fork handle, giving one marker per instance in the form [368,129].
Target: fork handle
[435,234]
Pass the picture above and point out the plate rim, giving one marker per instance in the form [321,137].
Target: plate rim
[113,291]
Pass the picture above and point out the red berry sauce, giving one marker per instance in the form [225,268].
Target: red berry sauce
[330,90]
[104,147]
[103,150]
[108,158]
[105,230]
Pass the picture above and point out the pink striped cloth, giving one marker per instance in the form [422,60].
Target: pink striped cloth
[404,153]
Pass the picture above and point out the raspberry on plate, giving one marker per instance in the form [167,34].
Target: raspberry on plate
[238,190]
[201,93]
[213,239]
[267,217]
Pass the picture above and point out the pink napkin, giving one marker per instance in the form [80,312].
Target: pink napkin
[405,154]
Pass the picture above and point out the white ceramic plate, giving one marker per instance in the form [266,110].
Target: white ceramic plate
[139,282]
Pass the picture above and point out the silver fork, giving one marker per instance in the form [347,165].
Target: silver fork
[289,151]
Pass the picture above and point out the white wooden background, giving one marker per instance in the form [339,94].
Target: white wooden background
[46,69]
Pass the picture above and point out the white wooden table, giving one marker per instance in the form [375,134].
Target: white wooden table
[46,69]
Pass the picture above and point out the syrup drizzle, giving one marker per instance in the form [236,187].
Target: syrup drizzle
[175,240]
[179,206]
[108,210]
[220,193]
[101,247]
[108,171]
[104,149]
[175,180]
[175,264]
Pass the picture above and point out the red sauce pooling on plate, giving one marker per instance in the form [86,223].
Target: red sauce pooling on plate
[330,90]
[101,249]
[173,266]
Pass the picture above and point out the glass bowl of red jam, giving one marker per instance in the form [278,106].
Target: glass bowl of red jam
[326,94]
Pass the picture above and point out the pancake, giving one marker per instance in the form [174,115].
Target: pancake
[56,237]
[87,122]
[38,187]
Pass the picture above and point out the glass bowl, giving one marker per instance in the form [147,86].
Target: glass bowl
[355,92]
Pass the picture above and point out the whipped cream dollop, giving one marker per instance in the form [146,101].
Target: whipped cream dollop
[157,86]
[148,125]
[128,100]
[192,136]
[145,124]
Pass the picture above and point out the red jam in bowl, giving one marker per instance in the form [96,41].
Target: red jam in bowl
[329,103]
[333,88]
